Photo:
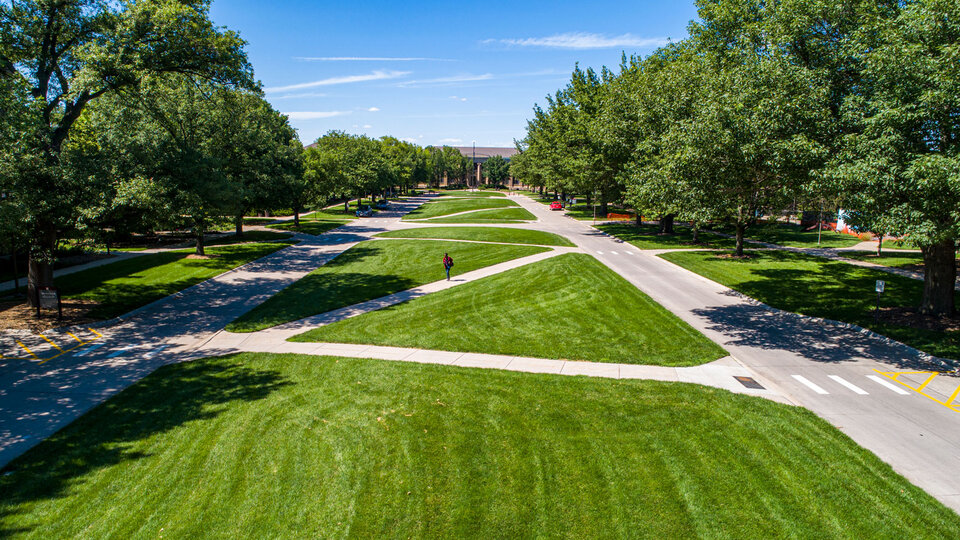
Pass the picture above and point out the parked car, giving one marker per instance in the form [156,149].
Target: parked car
[364,211]
[381,204]
[556,205]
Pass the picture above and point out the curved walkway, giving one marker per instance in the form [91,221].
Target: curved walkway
[826,369]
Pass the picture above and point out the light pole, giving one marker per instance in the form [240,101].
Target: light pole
[476,173]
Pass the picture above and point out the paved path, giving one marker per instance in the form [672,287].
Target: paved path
[38,398]
[919,437]
[827,369]
[836,254]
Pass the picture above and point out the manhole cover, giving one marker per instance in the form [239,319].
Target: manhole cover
[749,383]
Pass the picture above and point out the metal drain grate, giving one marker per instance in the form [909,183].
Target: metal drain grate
[749,383]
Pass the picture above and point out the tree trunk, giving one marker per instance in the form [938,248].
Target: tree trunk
[939,278]
[696,232]
[880,245]
[199,225]
[740,231]
[666,224]
[603,205]
[238,222]
[40,265]
[296,216]
[639,219]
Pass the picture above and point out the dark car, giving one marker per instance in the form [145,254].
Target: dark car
[364,211]
[381,204]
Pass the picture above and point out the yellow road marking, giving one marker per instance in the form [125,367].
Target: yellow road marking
[24,347]
[75,337]
[931,375]
[99,335]
[55,346]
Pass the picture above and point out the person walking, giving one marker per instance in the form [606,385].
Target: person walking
[447,264]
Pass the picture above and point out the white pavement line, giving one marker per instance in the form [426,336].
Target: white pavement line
[118,352]
[614,253]
[599,253]
[90,349]
[629,253]
[888,384]
[152,353]
[803,380]
[856,389]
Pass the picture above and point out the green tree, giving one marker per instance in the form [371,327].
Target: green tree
[496,169]
[904,156]
[70,53]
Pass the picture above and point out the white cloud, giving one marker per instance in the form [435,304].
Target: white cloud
[313,115]
[584,40]
[450,141]
[442,81]
[457,98]
[373,109]
[367,126]
[369,59]
[374,76]
[298,96]
[409,139]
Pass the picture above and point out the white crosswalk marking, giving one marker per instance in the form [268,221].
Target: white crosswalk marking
[856,389]
[614,253]
[888,384]
[599,253]
[803,380]
[629,253]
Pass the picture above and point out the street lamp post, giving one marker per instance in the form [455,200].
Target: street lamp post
[476,173]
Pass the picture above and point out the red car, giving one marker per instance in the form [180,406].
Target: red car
[556,205]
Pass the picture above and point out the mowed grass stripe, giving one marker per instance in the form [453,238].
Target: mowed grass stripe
[483,234]
[370,270]
[570,307]
[453,206]
[506,215]
[325,447]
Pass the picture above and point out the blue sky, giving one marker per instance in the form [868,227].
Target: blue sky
[435,72]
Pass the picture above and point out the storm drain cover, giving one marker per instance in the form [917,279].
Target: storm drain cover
[749,383]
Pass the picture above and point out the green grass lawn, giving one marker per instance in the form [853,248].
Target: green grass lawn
[453,206]
[793,235]
[821,288]
[570,306]
[318,447]
[258,220]
[648,237]
[125,285]
[465,193]
[371,270]
[504,215]
[314,227]
[249,236]
[896,259]
[484,234]
[584,212]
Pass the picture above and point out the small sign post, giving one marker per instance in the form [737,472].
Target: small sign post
[49,298]
[881,285]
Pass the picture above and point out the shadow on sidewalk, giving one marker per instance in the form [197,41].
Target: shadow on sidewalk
[755,326]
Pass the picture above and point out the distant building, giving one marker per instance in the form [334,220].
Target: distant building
[481,154]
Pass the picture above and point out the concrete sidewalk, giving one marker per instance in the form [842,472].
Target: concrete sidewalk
[815,365]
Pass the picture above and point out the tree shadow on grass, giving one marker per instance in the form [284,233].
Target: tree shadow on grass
[170,397]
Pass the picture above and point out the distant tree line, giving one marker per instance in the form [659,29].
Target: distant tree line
[848,104]
[123,118]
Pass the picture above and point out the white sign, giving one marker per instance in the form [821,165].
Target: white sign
[880,285]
